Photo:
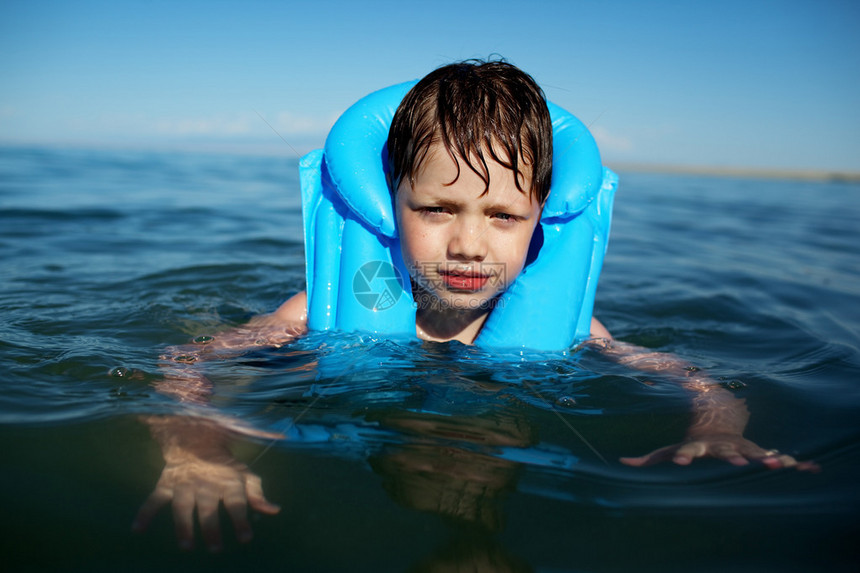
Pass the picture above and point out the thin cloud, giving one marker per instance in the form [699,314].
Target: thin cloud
[288,123]
[244,124]
[241,124]
[608,141]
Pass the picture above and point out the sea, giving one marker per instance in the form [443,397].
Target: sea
[391,455]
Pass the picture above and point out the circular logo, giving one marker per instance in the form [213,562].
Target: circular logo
[377,285]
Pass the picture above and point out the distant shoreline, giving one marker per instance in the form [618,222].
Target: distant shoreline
[268,149]
[747,172]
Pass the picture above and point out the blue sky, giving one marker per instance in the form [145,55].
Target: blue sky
[733,83]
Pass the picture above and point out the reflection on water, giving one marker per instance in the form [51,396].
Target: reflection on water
[450,480]
[466,487]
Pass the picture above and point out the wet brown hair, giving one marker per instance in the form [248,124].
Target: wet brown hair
[475,108]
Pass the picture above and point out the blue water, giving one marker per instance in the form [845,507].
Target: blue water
[409,456]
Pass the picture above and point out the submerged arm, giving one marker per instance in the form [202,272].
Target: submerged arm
[200,471]
[719,417]
[182,365]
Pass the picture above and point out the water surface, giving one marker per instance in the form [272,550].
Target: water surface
[408,456]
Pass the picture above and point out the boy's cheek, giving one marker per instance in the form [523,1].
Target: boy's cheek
[418,246]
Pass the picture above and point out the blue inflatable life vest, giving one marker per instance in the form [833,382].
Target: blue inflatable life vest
[356,278]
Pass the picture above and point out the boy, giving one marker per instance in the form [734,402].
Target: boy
[470,158]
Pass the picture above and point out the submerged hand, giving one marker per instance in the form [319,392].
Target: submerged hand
[201,473]
[188,482]
[732,448]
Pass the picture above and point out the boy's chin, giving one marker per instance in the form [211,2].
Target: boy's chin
[454,301]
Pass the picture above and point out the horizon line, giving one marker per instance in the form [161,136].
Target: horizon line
[271,149]
[801,174]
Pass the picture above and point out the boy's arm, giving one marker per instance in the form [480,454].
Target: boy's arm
[200,472]
[719,417]
[186,383]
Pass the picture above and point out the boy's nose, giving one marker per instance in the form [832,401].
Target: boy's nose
[468,241]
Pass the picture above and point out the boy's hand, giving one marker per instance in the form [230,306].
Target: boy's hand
[201,473]
[732,448]
[190,482]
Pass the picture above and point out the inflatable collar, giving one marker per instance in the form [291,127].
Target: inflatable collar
[356,279]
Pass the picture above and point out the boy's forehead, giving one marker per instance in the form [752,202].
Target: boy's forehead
[439,180]
[440,158]
[441,166]
[437,149]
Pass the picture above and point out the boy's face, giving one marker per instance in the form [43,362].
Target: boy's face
[463,248]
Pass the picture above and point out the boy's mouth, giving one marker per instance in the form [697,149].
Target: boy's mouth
[463,281]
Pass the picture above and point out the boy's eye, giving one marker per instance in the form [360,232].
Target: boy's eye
[504,216]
